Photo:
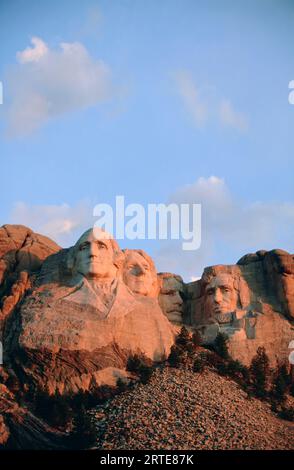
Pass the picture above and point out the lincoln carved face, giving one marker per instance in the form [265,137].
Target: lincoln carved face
[221,297]
[95,256]
[139,273]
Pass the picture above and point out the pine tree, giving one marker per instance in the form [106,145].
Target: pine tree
[176,355]
[280,383]
[140,365]
[84,434]
[260,372]
[183,337]
[196,339]
[221,345]
[54,409]
[199,365]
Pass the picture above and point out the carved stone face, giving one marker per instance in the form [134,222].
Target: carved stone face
[221,296]
[170,298]
[284,279]
[138,274]
[95,257]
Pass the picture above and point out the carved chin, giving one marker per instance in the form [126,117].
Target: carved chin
[93,274]
[96,273]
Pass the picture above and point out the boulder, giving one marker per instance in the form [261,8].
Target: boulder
[22,253]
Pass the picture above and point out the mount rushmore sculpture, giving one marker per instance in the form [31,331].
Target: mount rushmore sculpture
[71,317]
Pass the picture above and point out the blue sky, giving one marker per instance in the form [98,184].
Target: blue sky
[156,101]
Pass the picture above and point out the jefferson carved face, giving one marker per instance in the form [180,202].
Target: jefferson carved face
[95,256]
[138,273]
[221,296]
[170,298]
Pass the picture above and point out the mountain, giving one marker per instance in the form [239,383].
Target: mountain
[70,320]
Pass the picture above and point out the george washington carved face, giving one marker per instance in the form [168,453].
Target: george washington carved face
[221,297]
[139,273]
[95,256]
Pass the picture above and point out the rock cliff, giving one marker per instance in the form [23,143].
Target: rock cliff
[71,318]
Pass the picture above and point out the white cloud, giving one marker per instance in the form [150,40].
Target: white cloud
[205,107]
[48,83]
[33,54]
[230,228]
[63,223]
[231,118]
[191,97]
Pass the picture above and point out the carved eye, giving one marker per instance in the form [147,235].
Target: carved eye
[101,246]
[83,246]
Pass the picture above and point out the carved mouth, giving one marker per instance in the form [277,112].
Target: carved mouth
[93,261]
[219,310]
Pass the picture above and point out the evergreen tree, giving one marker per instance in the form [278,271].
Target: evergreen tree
[54,409]
[140,365]
[183,338]
[84,434]
[280,383]
[260,372]
[199,365]
[221,345]
[175,357]
[196,338]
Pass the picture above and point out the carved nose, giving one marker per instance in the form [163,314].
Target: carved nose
[179,300]
[92,250]
[217,296]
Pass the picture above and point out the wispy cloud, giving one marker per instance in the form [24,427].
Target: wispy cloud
[47,83]
[231,118]
[191,97]
[63,223]
[204,106]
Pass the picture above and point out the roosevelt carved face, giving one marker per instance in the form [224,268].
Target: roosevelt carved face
[138,273]
[94,256]
[170,298]
[221,296]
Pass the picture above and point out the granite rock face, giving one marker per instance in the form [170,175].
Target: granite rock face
[72,317]
[21,429]
[89,309]
[251,302]
[22,252]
